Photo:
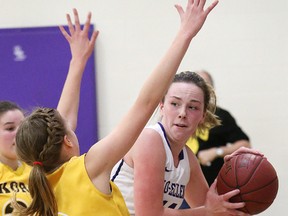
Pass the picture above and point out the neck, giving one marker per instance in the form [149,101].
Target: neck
[12,163]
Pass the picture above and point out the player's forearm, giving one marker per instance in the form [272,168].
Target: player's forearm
[230,148]
[198,211]
[164,71]
[69,101]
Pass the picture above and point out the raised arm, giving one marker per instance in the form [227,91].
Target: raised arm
[81,49]
[103,156]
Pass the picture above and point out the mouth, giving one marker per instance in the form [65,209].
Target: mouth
[181,125]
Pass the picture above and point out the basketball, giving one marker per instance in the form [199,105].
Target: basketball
[254,176]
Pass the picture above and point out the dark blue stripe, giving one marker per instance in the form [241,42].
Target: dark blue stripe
[181,154]
[118,170]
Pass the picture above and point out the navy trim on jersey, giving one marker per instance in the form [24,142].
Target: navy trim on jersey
[118,170]
[181,154]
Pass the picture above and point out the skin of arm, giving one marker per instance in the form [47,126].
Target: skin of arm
[81,49]
[148,160]
[120,140]
[230,148]
[208,155]
[197,184]
[148,156]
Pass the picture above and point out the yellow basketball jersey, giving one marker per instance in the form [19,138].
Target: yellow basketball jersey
[77,195]
[12,181]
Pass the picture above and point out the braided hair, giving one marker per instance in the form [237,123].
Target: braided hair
[40,138]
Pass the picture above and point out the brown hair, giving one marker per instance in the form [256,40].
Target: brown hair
[39,138]
[7,106]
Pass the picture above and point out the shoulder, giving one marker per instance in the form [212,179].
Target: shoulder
[76,162]
[195,169]
[191,156]
[26,168]
[222,111]
[149,136]
[193,161]
[148,145]
[225,115]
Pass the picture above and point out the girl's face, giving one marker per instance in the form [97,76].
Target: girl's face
[9,123]
[182,111]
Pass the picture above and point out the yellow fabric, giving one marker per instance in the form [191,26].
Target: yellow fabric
[13,181]
[193,143]
[76,194]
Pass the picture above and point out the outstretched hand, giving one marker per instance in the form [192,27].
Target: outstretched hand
[80,44]
[81,48]
[195,15]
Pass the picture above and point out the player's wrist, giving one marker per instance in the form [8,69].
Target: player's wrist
[219,152]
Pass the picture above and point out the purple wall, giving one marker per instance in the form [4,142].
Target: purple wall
[33,66]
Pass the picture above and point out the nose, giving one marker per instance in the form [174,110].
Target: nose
[182,112]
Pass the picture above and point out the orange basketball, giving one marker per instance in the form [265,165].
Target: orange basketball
[254,176]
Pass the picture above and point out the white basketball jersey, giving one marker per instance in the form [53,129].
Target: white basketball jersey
[175,181]
[176,178]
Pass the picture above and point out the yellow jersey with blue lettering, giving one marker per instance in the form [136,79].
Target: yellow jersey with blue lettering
[76,194]
[14,182]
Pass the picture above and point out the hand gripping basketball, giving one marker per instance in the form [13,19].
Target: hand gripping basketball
[254,176]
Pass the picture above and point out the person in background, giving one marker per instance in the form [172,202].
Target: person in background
[13,172]
[46,139]
[211,146]
[219,141]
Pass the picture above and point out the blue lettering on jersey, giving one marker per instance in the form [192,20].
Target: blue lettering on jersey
[174,189]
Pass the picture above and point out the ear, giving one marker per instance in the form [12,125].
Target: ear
[67,141]
[161,105]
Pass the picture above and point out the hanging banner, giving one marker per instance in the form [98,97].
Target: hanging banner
[34,64]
